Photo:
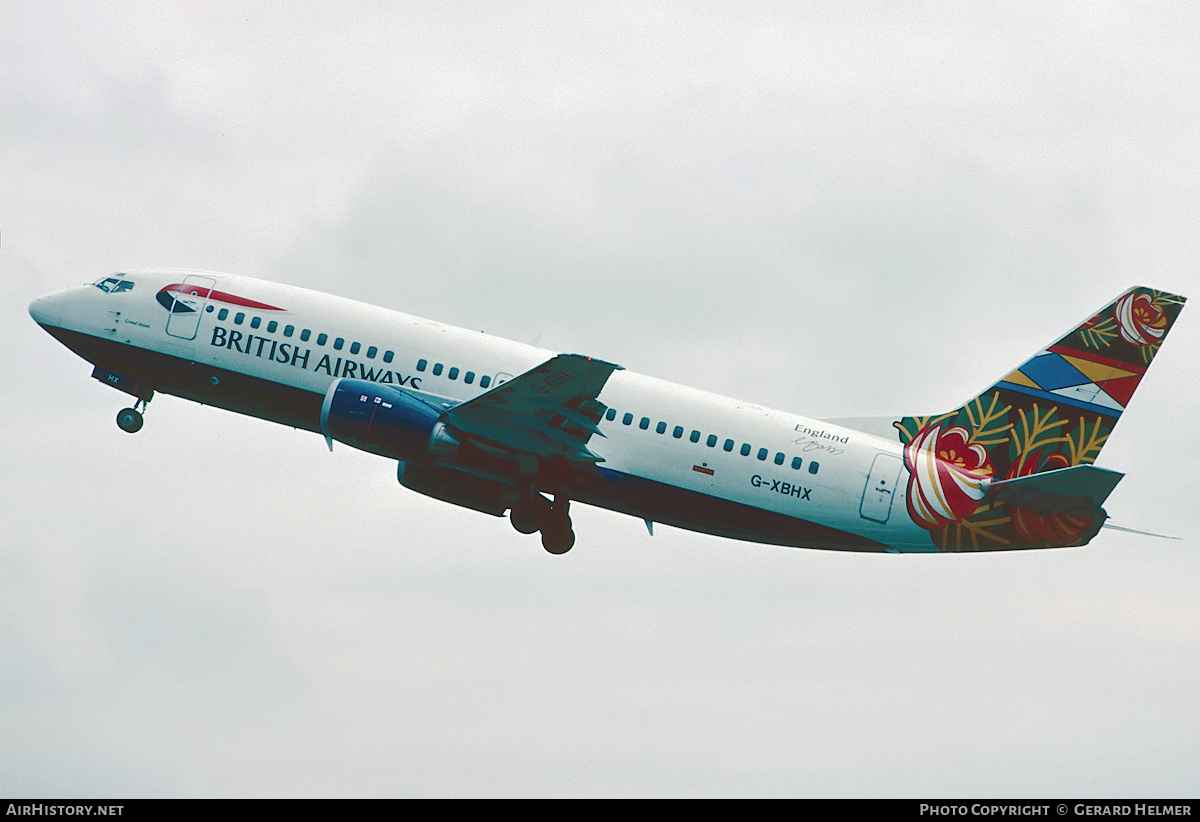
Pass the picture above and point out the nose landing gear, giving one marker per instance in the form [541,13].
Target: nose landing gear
[130,420]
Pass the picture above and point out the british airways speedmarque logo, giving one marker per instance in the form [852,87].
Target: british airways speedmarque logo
[167,298]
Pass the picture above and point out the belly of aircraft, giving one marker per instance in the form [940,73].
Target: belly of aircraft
[199,382]
[606,488]
[670,505]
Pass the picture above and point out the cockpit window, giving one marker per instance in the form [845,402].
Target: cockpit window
[114,285]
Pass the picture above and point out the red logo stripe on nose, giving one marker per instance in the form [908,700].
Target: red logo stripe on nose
[220,296]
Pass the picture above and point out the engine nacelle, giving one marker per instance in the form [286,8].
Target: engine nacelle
[385,421]
[491,496]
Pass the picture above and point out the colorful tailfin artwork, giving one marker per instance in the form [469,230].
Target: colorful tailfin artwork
[1053,414]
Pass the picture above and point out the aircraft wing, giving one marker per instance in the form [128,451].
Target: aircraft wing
[549,410]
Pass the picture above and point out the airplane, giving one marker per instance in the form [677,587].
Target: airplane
[502,427]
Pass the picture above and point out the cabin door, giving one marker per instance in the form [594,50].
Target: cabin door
[881,488]
[190,300]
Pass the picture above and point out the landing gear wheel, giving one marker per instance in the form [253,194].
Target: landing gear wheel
[129,420]
[557,536]
[529,516]
[558,540]
[524,518]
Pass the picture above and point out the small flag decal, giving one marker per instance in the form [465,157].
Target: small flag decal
[703,469]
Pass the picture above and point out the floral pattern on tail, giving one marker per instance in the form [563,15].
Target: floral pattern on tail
[1056,411]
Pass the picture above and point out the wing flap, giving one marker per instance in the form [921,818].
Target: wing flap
[549,410]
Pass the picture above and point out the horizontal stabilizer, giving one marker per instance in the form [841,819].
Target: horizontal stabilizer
[1060,490]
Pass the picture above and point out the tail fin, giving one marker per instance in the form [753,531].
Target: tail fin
[1055,411]
[1095,369]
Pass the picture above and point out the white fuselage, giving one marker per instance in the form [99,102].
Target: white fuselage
[272,345]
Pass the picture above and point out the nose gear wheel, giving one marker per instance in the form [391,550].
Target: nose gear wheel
[129,420]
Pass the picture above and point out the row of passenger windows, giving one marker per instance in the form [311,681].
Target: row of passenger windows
[453,373]
[339,343]
[305,335]
[485,381]
[712,440]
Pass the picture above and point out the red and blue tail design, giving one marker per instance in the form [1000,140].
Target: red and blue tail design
[1054,413]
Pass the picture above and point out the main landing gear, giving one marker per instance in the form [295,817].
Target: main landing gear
[130,420]
[551,518]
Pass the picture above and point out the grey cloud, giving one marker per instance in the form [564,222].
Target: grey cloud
[850,211]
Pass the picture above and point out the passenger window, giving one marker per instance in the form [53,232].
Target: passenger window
[745,449]
[289,330]
[627,419]
[388,356]
[728,445]
[255,322]
[813,466]
[678,432]
[371,352]
[485,381]
[694,436]
[610,414]
[354,348]
[437,369]
[453,373]
[304,335]
[271,326]
[779,458]
[644,424]
[338,343]
[223,314]
[712,440]
[661,428]
[796,461]
[322,339]
[238,318]
[469,377]
[762,453]
[421,364]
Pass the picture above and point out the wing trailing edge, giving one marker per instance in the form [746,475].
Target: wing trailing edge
[550,410]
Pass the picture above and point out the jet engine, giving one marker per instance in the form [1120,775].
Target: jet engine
[386,421]
[491,496]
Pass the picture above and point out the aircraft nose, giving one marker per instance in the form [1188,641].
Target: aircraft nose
[46,310]
[38,310]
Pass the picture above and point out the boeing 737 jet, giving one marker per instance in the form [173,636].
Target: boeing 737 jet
[501,427]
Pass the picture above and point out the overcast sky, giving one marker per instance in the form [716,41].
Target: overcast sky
[831,211]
